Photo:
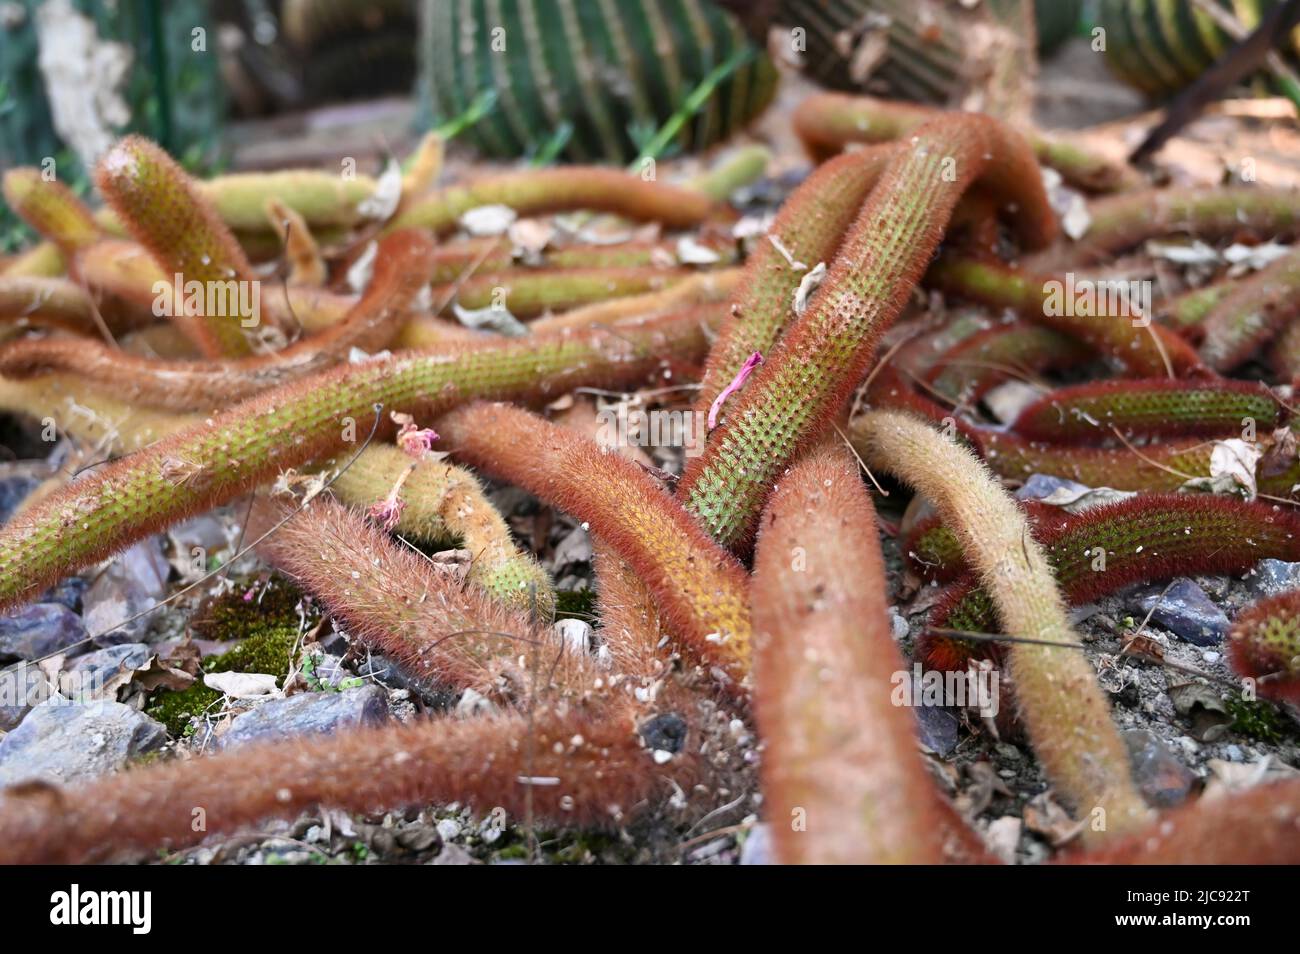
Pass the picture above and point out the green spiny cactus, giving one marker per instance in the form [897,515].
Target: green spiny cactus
[611,72]
[1150,407]
[1160,46]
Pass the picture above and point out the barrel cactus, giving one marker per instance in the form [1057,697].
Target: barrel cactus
[1160,46]
[589,80]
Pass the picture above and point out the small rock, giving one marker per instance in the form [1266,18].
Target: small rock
[448,829]
[418,838]
[42,629]
[1003,837]
[193,543]
[309,713]
[1163,780]
[898,627]
[85,677]
[11,716]
[204,531]
[1185,611]
[757,849]
[1041,486]
[106,663]
[69,592]
[1233,753]
[17,480]
[937,727]
[63,741]
[133,582]
[1271,577]
[454,855]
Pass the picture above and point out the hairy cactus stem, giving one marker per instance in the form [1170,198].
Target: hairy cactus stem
[1141,540]
[526,292]
[1124,221]
[493,255]
[166,213]
[51,208]
[1264,645]
[314,417]
[703,591]
[397,603]
[707,288]
[790,401]
[596,754]
[1252,314]
[806,233]
[838,751]
[1258,826]
[1152,407]
[1060,701]
[539,191]
[1142,348]
[827,122]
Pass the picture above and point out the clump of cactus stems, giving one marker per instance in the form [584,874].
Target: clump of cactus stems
[790,401]
[689,644]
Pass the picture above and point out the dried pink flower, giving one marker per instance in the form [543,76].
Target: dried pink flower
[752,362]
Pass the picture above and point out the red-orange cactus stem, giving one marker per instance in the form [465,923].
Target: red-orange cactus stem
[1142,347]
[1152,467]
[1258,826]
[394,602]
[1264,645]
[806,232]
[1166,465]
[1254,312]
[1140,540]
[164,211]
[827,122]
[973,366]
[527,292]
[491,255]
[201,467]
[702,590]
[207,385]
[1150,407]
[1120,222]
[46,302]
[568,765]
[539,191]
[790,402]
[843,781]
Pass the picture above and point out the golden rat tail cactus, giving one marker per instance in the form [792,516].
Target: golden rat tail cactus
[842,777]
[1062,706]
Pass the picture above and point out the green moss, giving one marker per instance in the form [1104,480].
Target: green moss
[176,709]
[268,629]
[1259,719]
